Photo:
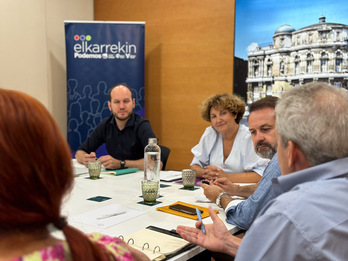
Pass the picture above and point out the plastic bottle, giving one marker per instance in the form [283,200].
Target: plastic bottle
[152,161]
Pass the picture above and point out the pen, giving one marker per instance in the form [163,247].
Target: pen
[200,219]
[111,215]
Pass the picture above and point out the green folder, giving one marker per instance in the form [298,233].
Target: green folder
[118,172]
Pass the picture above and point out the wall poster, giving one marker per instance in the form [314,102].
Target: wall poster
[283,44]
[100,55]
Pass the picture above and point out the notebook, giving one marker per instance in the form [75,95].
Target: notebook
[118,172]
[157,243]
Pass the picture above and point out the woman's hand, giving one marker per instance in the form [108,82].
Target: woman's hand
[213,172]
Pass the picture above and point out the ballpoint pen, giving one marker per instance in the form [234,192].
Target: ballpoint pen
[111,214]
[200,219]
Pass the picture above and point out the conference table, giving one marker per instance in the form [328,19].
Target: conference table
[125,190]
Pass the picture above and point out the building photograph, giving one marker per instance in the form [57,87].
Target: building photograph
[296,55]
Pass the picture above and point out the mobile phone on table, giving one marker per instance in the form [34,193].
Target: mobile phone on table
[184,209]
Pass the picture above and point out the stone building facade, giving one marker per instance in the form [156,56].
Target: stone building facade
[318,52]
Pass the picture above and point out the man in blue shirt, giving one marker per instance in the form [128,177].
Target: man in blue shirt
[308,220]
[242,213]
[124,133]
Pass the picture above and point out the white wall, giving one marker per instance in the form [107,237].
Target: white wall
[32,49]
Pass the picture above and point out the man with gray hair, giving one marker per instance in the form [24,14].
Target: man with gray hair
[308,220]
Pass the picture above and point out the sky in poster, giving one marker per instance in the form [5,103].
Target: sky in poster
[257,20]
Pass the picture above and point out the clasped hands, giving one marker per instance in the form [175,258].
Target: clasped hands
[107,161]
[213,172]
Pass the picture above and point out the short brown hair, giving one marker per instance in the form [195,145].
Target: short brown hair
[267,102]
[227,101]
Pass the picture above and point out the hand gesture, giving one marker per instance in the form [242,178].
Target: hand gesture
[217,238]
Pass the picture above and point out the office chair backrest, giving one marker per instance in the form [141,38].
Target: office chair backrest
[165,151]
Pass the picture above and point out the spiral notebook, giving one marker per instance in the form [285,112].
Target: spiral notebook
[157,243]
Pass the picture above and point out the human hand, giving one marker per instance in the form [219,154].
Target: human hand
[109,162]
[88,157]
[215,235]
[213,172]
[211,191]
[227,186]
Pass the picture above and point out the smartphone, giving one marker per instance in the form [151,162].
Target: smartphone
[205,182]
[184,209]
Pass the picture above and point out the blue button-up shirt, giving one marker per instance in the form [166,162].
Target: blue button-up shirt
[242,213]
[307,221]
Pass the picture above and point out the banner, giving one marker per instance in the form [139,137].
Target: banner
[100,55]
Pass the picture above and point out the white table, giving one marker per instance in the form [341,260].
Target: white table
[126,190]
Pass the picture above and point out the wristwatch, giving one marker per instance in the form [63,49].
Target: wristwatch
[122,163]
[218,199]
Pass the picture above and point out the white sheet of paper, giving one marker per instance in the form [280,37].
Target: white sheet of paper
[90,218]
[170,175]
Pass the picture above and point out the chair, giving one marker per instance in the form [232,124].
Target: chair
[165,151]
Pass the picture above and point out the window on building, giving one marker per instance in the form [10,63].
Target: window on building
[338,84]
[309,66]
[269,90]
[297,64]
[256,71]
[338,65]
[255,68]
[309,60]
[310,38]
[281,67]
[297,68]
[269,70]
[323,62]
[323,66]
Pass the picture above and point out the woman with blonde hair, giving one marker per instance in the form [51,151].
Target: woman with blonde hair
[36,173]
[226,146]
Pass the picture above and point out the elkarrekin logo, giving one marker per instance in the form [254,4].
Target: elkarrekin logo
[85,49]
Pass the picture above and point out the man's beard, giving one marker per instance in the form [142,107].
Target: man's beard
[267,153]
[125,118]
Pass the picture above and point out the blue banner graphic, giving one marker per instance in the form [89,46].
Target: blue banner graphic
[100,55]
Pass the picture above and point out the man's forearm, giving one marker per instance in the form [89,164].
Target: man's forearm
[231,246]
[246,191]
[225,200]
[139,164]
[246,177]
[79,156]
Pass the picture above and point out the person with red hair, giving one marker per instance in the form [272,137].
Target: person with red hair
[36,173]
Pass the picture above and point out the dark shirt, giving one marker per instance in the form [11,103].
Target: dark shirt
[126,144]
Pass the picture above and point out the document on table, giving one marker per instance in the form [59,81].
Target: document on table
[78,168]
[106,216]
[170,175]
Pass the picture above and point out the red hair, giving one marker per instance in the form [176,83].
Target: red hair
[35,172]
